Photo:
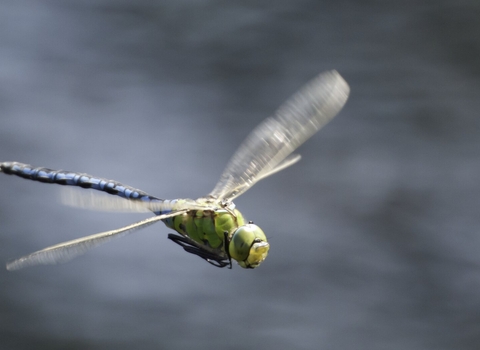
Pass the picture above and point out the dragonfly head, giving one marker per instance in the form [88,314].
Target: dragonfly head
[248,246]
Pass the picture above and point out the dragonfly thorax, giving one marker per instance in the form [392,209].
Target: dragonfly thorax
[223,232]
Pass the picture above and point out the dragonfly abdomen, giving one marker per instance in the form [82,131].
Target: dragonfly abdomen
[69,178]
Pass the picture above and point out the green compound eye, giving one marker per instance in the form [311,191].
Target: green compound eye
[249,246]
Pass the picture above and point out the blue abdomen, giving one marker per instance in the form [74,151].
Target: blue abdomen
[69,178]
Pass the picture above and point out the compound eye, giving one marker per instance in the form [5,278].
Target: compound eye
[248,246]
[242,240]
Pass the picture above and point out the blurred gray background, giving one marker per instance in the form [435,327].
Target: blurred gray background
[374,235]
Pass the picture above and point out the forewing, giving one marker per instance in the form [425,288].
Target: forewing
[301,116]
[66,251]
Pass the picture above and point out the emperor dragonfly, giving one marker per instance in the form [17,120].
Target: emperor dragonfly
[210,227]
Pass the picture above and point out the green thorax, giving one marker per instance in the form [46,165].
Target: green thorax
[207,227]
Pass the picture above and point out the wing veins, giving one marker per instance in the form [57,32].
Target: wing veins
[270,143]
[66,251]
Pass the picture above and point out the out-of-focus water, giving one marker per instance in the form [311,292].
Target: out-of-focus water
[374,235]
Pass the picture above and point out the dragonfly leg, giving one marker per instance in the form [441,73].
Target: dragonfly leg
[191,247]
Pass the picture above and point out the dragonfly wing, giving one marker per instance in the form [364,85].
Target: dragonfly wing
[80,198]
[301,116]
[99,201]
[289,161]
[66,251]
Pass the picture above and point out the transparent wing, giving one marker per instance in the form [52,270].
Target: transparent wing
[99,201]
[289,161]
[80,198]
[66,251]
[272,141]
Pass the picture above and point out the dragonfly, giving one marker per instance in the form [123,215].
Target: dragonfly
[210,227]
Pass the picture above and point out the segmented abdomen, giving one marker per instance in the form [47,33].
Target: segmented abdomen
[69,178]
